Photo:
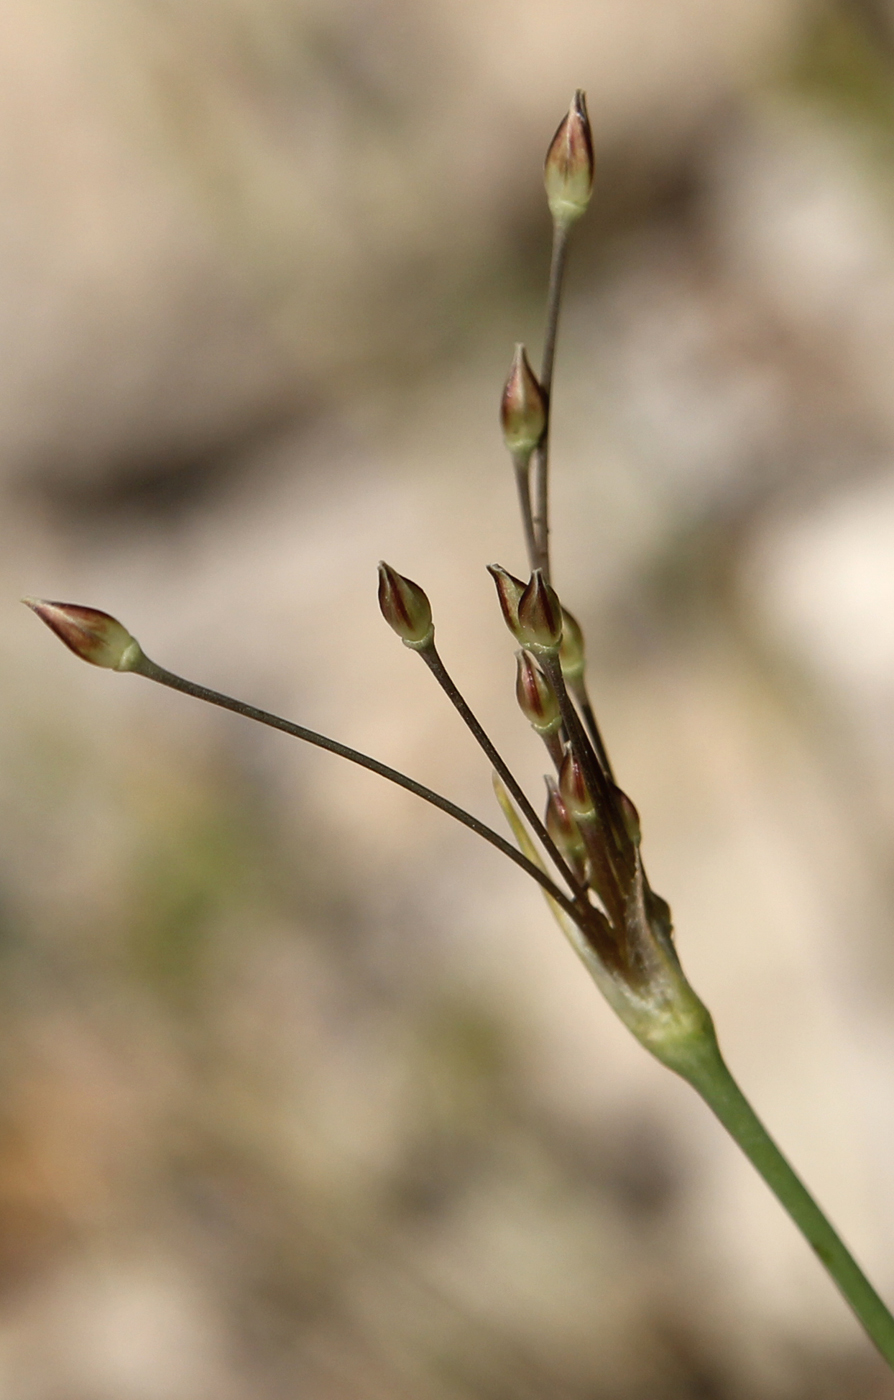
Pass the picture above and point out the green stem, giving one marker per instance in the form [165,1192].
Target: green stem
[701,1063]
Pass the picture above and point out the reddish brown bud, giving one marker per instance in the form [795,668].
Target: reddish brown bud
[539,615]
[535,695]
[574,790]
[571,652]
[405,608]
[92,635]
[522,408]
[568,173]
[563,829]
[509,592]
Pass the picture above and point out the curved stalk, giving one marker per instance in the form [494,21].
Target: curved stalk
[153,672]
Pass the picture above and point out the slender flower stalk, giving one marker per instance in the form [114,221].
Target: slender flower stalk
[421,637]
[63,618]
[540,461]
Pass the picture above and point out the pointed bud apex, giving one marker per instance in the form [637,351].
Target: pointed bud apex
[629,816]
[536,697]
[571,652]
[574,790]
[405,608]
[523,407]
[563,828]
[568,173]
[92,635]
[539,615]
[509,592]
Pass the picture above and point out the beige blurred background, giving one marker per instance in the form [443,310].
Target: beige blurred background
[301,1093]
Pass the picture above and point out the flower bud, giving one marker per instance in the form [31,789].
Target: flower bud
[92,635]
[509,592]
[536,697]
[563,829]
[539,615]
[571,652]
[522,408]
[405,608]
[629,816]
[568,173]
[574,790]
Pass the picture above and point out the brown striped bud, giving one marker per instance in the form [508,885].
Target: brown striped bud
[509,592]
[568,172]
[539,615]
[92,635]
[571,652]
[563,829]
[405,608]
[536,697]
[522,408]
[574,790]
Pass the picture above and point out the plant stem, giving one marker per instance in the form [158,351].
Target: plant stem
[541,454]
[153,672]
[701,1063]
[522,463]
[578,690]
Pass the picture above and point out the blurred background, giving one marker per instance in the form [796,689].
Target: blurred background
[301,1092]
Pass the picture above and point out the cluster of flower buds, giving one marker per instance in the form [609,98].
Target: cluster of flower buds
[590,831]
[593,823]
[532,611]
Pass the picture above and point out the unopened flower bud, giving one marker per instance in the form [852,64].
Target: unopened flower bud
[522,408]
[405,608]
[568,173]
[629,816]
[92,635]
[571,652]
[539,615]
[509,592]
[574,790]
[536,697]
[564,829]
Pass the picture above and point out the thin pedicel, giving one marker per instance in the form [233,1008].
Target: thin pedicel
[97,637]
